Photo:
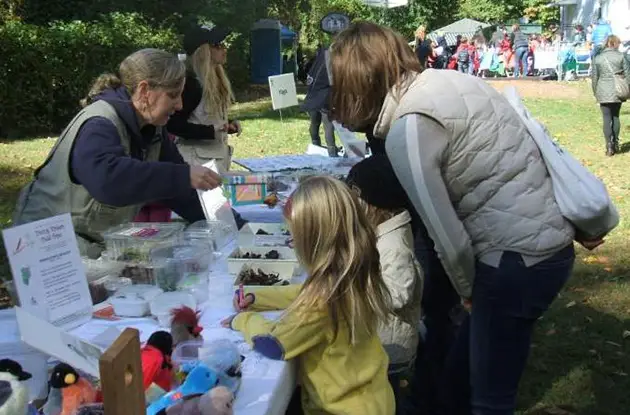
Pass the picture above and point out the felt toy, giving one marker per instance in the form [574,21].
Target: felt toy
[223,356]
[218,401]
[199,381]
[76,391]
[156,361]
[13,393]
[185,325]
[53,403]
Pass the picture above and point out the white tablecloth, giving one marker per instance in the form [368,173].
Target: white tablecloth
[267,385]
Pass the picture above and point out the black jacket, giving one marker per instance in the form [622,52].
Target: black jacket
[319,88]
[178,123]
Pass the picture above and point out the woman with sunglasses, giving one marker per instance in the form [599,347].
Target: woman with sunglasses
[202,125]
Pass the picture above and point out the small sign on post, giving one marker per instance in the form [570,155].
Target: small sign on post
[283,91]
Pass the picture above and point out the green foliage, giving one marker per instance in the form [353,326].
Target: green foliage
[491,11]
[157,12]
[538,11]
[45,71]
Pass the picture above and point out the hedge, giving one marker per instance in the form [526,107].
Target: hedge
[45,71]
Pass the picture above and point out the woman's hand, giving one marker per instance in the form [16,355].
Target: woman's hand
[234,127]
[243,304]
[589,243]
[202,178]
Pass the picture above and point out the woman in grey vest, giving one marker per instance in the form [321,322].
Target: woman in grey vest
[115,156]
[479,183]
[606,65]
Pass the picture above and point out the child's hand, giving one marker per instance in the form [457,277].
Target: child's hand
[227,323]
[244,303]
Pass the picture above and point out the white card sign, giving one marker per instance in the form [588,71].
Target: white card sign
[48,272]
[55,342]
[283,92]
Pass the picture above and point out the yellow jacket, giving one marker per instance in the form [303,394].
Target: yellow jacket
[336,377]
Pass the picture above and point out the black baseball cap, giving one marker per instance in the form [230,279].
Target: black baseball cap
[200,35]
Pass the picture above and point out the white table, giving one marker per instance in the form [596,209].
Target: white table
[267,385]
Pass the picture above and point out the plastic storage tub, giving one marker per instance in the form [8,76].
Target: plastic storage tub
[284,256]
[162,305]
[103,278]
[284,272]
[216,234]
[177,263]
[264,234]
[134,300]
[133,242]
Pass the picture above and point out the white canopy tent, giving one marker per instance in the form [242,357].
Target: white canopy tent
[390,4]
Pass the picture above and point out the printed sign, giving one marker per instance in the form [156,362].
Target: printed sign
[283,92]
[47,271]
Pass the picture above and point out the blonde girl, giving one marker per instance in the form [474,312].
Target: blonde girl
[202,124]
[330,323]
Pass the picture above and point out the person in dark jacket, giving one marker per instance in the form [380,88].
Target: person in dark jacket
[605,65]
[115,156]
[423,46]
[316,102]
[202,124]
[520,46]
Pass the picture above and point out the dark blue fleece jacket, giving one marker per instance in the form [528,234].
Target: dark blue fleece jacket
[99,163]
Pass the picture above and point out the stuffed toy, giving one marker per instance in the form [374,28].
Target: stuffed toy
[13,392]
[185,325]
[217,401]
[223,356]
[199,381]
[76,391]
[156,361]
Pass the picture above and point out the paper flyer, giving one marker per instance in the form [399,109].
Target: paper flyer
[47,271]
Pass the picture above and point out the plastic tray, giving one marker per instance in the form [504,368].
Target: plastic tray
[173,264]
[285,271]
[133,242]
[264,234]
[235,262]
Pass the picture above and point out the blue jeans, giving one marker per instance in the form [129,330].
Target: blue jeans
[488,358]
[520,58]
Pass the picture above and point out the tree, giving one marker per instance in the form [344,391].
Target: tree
[539,11]
[491,11]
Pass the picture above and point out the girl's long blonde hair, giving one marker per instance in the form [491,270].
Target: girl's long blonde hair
[217,90]
[337,245]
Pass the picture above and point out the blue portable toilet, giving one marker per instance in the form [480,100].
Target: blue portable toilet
[268,38]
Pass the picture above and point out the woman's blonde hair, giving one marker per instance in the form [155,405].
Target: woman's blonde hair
[217,90]
[421,30]
[613,42]
[158,68]
[376,215]
[367,61]
[335,243]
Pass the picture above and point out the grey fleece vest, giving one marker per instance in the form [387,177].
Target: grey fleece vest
[52,191]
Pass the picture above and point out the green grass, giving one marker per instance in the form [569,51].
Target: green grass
[580,356]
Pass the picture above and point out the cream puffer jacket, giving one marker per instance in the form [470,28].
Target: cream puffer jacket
[404,279]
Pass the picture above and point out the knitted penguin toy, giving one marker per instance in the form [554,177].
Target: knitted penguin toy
[75,390]
[13,393]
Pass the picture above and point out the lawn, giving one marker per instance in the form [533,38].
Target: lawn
[580,356]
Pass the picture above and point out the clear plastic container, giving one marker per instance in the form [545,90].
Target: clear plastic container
[174,264]
[216,234]
[100,273]
[133,242]
[134,300]
[162,305]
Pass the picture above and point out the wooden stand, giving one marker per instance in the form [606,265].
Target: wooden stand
[121,376]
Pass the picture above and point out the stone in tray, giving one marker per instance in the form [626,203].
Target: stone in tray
[269,255]
[260,278]
[263,232]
